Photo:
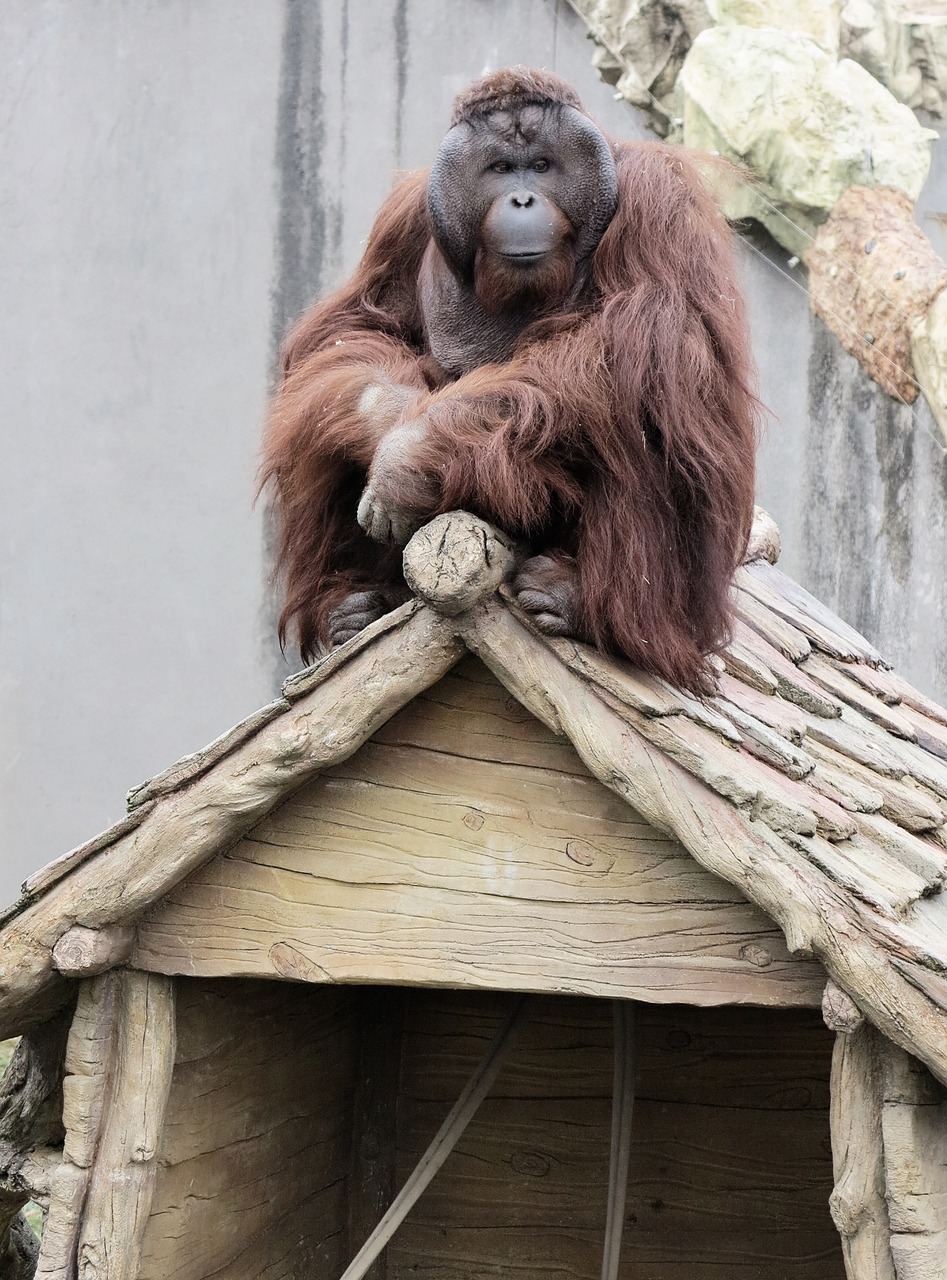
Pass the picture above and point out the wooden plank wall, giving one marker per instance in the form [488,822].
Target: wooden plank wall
[295,1111]
[465,845]
[731,1169]
[254,1156]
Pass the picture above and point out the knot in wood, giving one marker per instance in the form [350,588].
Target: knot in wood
[840,1013]
[456,560]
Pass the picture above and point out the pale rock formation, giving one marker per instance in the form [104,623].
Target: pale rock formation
[643,47]
[808,127]
[929,357]
[818,19]
[903,43]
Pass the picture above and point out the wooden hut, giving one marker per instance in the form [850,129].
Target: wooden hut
[295,968]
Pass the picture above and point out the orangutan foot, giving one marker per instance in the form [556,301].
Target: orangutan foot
[356,612]
[547,588]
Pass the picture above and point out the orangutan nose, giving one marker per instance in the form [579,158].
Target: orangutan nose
[522,199]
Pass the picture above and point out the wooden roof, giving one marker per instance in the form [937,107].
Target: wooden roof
[815,781]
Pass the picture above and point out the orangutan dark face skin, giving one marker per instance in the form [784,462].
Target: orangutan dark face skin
[545,331]
[519,199]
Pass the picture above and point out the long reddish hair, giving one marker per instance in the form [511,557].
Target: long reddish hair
[621,432]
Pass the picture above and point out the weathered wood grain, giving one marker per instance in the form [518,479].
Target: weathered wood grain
[486,872]
[123,1174]
[379,1013]
[524,1194]
[794,685]
[456,559]
[834,677]
[818,914]
[254,1156]
[82,953]
[30,1109]
[791,601]
[858,1202]
[914,1127]
[85,1083]
[782,635]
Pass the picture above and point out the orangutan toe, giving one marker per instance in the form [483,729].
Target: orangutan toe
[356,612]
[546,588]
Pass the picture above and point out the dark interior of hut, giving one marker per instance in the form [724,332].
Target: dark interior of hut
[297,1112]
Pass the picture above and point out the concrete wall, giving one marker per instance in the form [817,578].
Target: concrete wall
[180,180]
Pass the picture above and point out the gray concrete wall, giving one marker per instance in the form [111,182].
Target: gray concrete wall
[179,181]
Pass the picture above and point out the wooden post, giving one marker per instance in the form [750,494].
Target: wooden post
[914,1126]
[122,1177]
[858,1205]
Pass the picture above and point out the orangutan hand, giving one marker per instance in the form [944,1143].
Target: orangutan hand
[401,493]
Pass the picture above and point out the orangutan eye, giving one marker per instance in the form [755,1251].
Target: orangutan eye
[540,166]
[502,166]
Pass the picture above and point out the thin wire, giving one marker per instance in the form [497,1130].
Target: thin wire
[863,280]
[837,315]
[659,106]
[801,287]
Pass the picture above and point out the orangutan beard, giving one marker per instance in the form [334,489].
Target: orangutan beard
[502,285]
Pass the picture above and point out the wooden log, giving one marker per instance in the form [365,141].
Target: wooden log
[914,1125]
[853,941]
[88,1051]
[782,635]
[123,1174]
[839,1010]
[782,716]
[744,665]
[770,747]
[832,676]
[82,952]
[187,827]
[792,683]
[794,602]
[457,559]
[765,542]
[871,792]
[30,1108]
[824,627]
[858,1202]
[872,277]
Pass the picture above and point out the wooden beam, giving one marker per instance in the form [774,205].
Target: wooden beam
[372,1183]
[623,1097]
[823,906]
[914,1125]
[30,1118]
[444,1141]
[858,1205]
[85,1082]
[122,1177]
[187,827]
